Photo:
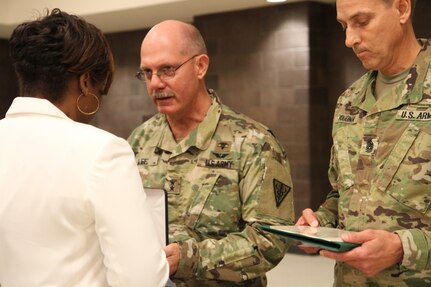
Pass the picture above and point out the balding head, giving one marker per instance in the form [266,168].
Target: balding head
[182,36]
[174,61]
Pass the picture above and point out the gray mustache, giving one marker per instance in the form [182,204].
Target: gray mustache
[162,95]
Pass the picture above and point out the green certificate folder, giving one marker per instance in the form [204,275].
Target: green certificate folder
[322,237]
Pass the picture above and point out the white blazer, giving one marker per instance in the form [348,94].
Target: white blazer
[72,207]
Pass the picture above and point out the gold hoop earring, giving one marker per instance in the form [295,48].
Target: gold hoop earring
[86,106]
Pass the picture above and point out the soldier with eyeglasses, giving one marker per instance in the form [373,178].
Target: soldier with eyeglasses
[225,174]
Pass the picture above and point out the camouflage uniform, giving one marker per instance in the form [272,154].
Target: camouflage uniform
[380,172]
[229,176]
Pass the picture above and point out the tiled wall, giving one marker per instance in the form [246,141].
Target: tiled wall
[269,63]
[8,83]
[127,104]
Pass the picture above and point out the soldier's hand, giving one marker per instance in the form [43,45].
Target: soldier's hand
[173,256]
[308,218]
[379,250]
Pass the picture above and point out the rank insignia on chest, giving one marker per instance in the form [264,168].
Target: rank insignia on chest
[369,145]
[280,191]
[172,184]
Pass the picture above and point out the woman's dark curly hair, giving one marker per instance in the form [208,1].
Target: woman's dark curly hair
[47,53]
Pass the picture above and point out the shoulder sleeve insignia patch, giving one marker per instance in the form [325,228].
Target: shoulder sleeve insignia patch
[280,191]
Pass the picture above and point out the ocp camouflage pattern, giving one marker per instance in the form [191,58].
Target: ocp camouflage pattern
[228,177]
[380,171]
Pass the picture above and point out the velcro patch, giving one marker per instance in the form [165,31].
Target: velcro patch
[280,191]
[414,115]
[215,163]
[348,119]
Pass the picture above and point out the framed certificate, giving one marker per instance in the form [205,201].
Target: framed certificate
[158,202]
[323,237]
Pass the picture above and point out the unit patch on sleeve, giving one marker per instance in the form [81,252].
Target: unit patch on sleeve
[280,191]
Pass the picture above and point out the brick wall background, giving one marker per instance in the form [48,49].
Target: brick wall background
[270,63]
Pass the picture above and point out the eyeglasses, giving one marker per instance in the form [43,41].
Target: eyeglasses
[164,73]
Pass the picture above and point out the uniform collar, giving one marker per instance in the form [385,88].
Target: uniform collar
[29,106]
[410,90]
[200,137]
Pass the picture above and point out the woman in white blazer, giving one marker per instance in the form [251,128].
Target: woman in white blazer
[72,208]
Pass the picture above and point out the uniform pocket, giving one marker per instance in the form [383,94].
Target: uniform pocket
[406,174]
[215,211]
[199,202]
[344,162]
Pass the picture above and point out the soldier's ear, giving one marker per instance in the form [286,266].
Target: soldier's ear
[404,9]
[202,63]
